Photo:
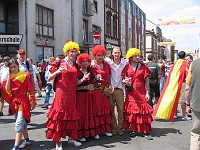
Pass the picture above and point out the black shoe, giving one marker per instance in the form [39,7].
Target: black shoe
[148,137]
[132,134]
[1,113]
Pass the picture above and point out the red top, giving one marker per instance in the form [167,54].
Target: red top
[18,96]
[138,79]
[105,73]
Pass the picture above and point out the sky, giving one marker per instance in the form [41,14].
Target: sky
[187,37]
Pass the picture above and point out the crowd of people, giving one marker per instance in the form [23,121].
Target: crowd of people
[87,92]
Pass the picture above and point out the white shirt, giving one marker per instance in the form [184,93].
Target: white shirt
[116,71]
[4,72]
[35,71]
[47,74]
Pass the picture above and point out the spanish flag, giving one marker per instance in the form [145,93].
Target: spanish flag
[167,103]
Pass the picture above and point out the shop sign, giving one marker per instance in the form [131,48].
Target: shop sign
[10,39]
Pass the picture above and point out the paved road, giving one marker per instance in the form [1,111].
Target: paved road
[167,135]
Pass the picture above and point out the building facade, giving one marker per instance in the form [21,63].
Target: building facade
[132,26]
[44,26]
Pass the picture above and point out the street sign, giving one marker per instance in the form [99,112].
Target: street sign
[97,35]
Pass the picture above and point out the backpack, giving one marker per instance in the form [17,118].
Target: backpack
[27,64]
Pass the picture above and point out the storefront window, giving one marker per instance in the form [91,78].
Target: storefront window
[10,51]
[48,52]
[43,53]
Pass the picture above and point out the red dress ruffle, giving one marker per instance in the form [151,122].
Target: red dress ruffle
[63,116]
[137,111]
[102,112]
[85,109]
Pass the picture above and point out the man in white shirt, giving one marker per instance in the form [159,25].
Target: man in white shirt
[4,72]
[36,76]
[117,64]
[24,65]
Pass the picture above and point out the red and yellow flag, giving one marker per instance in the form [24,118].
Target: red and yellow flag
[167,103]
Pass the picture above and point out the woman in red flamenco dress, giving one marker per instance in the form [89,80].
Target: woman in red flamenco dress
[102,108]
[84,97]
[137,111]
[63,116]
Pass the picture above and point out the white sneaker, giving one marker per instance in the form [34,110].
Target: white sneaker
[82,139]
[108,134]
[186,118]
[96,137]
[74,142]
[59,146]
[24,144]
[175,117]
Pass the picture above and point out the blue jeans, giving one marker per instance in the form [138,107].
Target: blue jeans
[162,83]
[47,96]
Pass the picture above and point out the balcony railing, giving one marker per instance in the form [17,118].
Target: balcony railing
[88,8]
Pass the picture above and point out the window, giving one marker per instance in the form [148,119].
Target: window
[2,19]
[44,21]
[95,6]
[85,31]
[115,26]
[130,6]
[114,5]
[43,53]
[108,3]
[9,21]
[108,23]
[10,51]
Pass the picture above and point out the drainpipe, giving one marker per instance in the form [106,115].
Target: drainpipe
[72,19]
[26,26]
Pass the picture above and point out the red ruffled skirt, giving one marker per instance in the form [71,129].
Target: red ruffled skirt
[102,112]
[137,116]
[86,125]
[62,123]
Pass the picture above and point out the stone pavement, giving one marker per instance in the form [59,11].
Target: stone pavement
[167,135]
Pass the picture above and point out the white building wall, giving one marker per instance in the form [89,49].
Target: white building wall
[98,19]
[68,24]
[62,25]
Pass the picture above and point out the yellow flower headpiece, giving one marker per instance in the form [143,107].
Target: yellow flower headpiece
[69,45]
[132,52]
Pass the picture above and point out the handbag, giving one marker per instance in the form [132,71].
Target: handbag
[129,88]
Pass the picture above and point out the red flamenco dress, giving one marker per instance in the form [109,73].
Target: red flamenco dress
[63,116]
[102,108]
[137,111]
[86,125]
[18,97]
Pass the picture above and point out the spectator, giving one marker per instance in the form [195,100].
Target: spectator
[137,111]
[4,72]
[168,101]
[36,76]
[154,80]
[19,93]
[84,95]
[117,64]
[48,85]
[24,65]
[102,107]
[192,96]
[63,116]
